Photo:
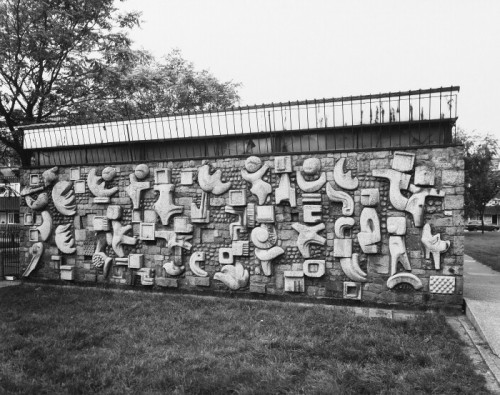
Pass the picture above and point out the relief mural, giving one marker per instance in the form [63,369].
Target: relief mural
[324,226]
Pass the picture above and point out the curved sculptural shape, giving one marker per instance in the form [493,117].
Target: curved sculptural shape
[341,225]
[416,202]
[172,269]
[351,268]
[39,203]
[397,249]
[165,205]
[310,186]
[64,198]
[397,181]
[404,277]
[97,183]
[212,182]
[264,237]
[36,251]
[259,188]
[50,176]
[344,180]
[266,256]
[45,229]
[64,239]
[341,197]
[135,189]
[235,277]
[308,235]
[434,245]
[119,238]
[369,234]
[194,264]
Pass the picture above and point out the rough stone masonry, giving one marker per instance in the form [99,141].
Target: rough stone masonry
[376,227]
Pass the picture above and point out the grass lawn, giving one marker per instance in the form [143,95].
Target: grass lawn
[485,248]
[59,340]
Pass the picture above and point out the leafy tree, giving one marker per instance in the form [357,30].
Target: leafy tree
[72,59]
[55,54]
[482,182]
[150,87]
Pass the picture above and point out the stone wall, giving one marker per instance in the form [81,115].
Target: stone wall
[374,227]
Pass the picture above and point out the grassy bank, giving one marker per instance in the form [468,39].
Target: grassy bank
[485,248]
[90,341]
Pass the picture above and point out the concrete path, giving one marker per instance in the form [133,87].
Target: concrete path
[482,298]
[5,283]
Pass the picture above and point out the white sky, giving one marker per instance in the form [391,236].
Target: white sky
[283,50]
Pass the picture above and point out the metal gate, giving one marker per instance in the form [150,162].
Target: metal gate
[10,236]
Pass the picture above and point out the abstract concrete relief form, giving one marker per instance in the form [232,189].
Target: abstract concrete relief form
[253,172]
[376,232]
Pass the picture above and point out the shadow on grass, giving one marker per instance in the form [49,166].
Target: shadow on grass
[90,341]
[484,248]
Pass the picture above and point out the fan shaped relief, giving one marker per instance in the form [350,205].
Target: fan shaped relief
[64,198]
[64,239]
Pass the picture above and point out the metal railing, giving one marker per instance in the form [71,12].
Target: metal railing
[378,109]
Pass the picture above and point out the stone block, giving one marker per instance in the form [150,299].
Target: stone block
[80,235]
[403,161]
[101,224]
[454,202]
[258,288]
[187,177]
[425,175]
[79,186]
[283,164]
[352,290]
[312,213]
[313,268]
[378,264]
[265,214]
[237,198]
[147,231]
[166,282]
[150,216]
[226,256]
[370,197]
[198,281]
[294,281]
[135,261]
[342,248]
[442,284]
[454,177]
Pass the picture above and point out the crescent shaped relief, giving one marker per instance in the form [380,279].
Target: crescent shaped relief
[45,229]
[351,268]
[194,264]
[97,185]
[344,180]
[64,239]
[404,277]
[64,198]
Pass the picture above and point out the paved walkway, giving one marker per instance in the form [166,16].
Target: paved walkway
[482,297]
